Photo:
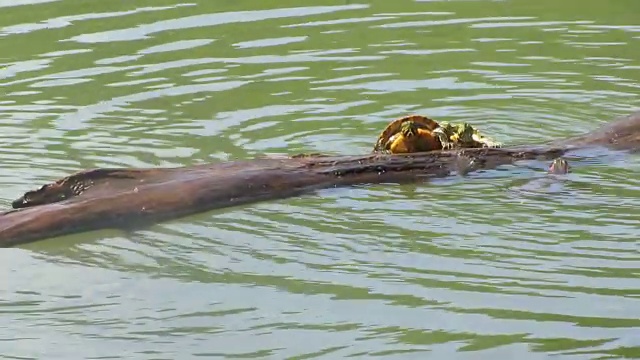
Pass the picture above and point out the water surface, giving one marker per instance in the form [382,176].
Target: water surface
[461,268]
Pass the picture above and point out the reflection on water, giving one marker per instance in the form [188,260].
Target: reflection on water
[508,263]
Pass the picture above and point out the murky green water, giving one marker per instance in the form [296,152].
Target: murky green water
[474,268]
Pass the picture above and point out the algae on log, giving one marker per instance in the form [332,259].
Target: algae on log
[125,198]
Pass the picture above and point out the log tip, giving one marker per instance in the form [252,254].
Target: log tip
[19,203]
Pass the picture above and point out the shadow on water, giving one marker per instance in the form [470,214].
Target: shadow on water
[506,263]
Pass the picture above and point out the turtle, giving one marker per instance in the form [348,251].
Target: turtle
[551,182]
[559,166]
[483,141]
[411,133]
[416,133]
[462,136]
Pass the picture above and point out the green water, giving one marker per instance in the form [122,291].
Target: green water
[491,266]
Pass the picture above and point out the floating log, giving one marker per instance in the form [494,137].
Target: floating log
[130,198]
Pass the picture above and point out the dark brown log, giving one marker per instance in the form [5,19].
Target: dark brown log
[125,198]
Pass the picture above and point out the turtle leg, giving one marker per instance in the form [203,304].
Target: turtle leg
[445,141]
[484,141]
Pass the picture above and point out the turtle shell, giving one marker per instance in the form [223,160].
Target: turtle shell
[395,127]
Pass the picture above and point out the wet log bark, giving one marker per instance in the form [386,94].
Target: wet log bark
[125,198]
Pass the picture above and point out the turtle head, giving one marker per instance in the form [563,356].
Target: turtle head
[465,133]
[458,134]
[409,129]
[559,166]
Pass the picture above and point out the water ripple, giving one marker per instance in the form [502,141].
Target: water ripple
[510,263]
[202,20]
